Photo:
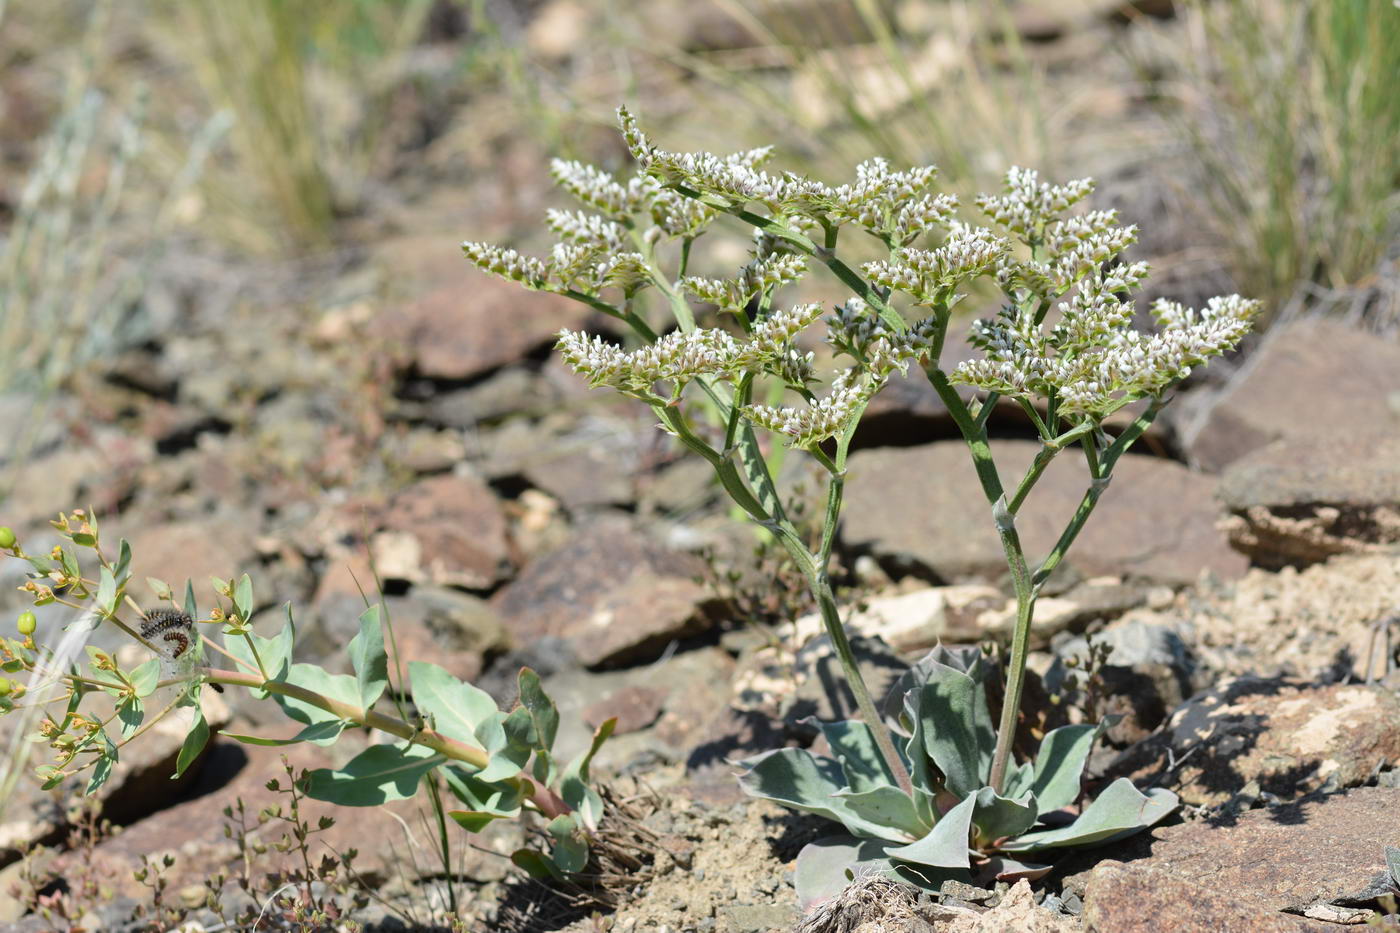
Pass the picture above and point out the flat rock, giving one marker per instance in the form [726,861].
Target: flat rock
[1303,499]
[1310,372]
[448,530]
[922,510]
[472,326]
[1290,739]
[614,592]
[1240,874]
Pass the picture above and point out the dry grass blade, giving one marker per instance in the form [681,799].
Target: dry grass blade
[870,904]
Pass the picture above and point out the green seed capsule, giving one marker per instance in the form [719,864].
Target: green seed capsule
[7,537]
[26,623]
[5,687]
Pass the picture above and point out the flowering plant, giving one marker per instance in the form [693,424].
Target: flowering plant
[948,791]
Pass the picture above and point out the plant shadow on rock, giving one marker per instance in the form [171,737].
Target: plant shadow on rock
[1215,735]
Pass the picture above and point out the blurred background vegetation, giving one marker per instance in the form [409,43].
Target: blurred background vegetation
[166,153]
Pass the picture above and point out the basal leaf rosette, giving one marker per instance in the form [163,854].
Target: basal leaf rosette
[953,825]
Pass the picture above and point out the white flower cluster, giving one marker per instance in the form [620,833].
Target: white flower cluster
[585,229]
[1028,203]
[892,205]
[1093,361]
[755,278]
[931,276]
[507,264]
[859,332]
[595,187]
[585,268]
[821,420]
[681,356]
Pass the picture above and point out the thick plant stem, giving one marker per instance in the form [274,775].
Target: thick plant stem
[831,618]
[1020,642]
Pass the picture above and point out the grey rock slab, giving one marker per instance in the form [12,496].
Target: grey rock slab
[921,509]
[1307,373]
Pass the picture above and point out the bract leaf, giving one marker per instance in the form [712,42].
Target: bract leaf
[1120,810]
[946,844]
[380,774]
[367,655]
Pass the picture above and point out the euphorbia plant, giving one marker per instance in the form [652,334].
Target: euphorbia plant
[437,728]
[1062,347]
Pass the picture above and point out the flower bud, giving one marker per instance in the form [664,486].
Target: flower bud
[26,623]
[7,537]
[5,687]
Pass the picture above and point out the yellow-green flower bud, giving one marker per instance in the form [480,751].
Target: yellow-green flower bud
[5,687]
[26,623]
[7,537]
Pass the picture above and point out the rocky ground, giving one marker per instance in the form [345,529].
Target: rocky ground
[1241,580]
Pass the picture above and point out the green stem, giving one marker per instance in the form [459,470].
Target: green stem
[1020,640]
[548,803]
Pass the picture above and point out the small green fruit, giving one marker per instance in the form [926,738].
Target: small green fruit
[7,537]
[26,623]
[5,687]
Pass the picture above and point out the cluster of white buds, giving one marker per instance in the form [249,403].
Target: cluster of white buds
[1093,361]
[930,276]
[772,337]
[824,418]
[508,264]
[891,205]
[860,333]
[1028,204]
[755,278]
[585,229]
[678,357]
[595,187]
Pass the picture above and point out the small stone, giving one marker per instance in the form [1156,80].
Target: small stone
[635,708]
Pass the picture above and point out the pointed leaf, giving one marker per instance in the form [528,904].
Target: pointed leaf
[509,740]
[145,677]
[796,778]
[1120,810]
[579,766]
[889,807]
[474,821]
[570,851]
[102,770]
[194,743]
[322,733]
[107,592]
[160,588]
[957,729]
[455,708]
[946,845]
[191,604]
[1060,763]
[368,657]
[826,866]
[243,598]
[131,711]
[380,774]
[535,864]
[542,709]
[340,687]
[853,746]
[481,797]
[122,570]
[998,817]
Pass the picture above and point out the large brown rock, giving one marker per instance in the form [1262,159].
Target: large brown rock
[472,326]
[447,530]
[195,550]
[1204,877]
[922,508]
[1308,373]
[1303,499]
[1287,739]
[614,592]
